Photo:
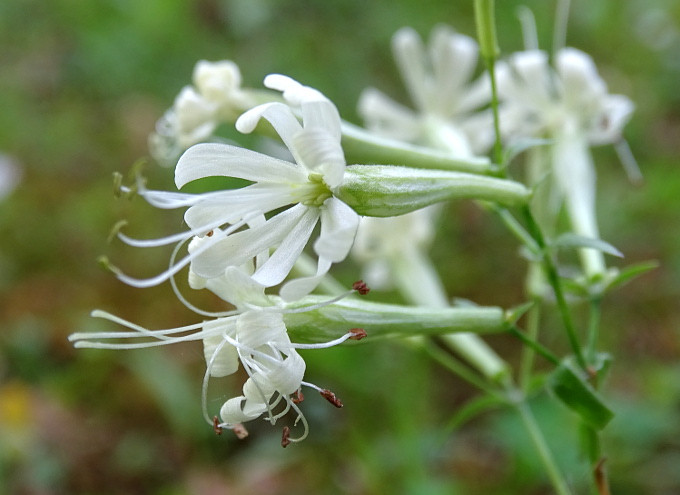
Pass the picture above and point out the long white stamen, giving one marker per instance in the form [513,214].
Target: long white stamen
[323,345]
[183,300]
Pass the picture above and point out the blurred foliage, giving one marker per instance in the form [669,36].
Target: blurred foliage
[81,86]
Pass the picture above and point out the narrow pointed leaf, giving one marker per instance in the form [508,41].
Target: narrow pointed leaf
[571,388]
[571,240]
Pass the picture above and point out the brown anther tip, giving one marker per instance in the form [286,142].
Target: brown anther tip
[298,397]
[209,233]
[330,397]
[361,287]
[285,437]
[216,426]
[357,333]
[240,431]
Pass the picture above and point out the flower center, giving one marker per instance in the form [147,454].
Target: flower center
[315,191]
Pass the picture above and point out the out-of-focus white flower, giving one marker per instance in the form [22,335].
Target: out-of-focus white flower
[438,82]
[215,97]
[254,334]
[382,244]
[10,174]
[570,106]
[541,102]
[232,222]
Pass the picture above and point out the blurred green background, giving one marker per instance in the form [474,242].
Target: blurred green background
[81,86]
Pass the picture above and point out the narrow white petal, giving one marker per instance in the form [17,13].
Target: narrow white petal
[279,116]
[409,55]
[214,159]
[454,58]
[281,262]
[293,92]
[300,287]
[321,152]
[237,204]
[240,247]
[339,225]
[261,328]
[322,114]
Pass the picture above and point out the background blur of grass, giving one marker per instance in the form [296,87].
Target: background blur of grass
[81,85]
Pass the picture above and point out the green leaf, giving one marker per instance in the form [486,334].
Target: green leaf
[571,240]
[629,273]
[570,386]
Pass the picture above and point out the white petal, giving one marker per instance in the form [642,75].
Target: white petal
[616,111]
[297,288]
[320,152]
[238,248]
[213,159]
[260,328]
[339,225]
[454,58]
[293,92]
[322,114]
[279,265]
[287,376]
[387,117]
[237,204]
[237,288]
[409,55]
[223,362]
[279,116]
[238,410]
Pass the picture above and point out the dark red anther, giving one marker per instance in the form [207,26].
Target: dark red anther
[209,234]
[357,333]
[361,287]
[285,437]
[216,426]
[330,397]
[298,397]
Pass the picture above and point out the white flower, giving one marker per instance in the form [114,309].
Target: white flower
[438,82]
[216,97]
[571,106]
[254,335]
[233,222]
[383,243]
[539,101]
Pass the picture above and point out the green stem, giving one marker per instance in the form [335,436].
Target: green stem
[528,352]
[554,281]
[539,348]
[455,366]
[593,328]
[488,44]
[558,482]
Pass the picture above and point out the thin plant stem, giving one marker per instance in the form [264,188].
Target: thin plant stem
[486,33]
[537,438]
[554,281]
[536,346]
[528,353]
[593,328]
[452,364]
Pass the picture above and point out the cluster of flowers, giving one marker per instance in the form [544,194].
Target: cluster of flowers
[242,242]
